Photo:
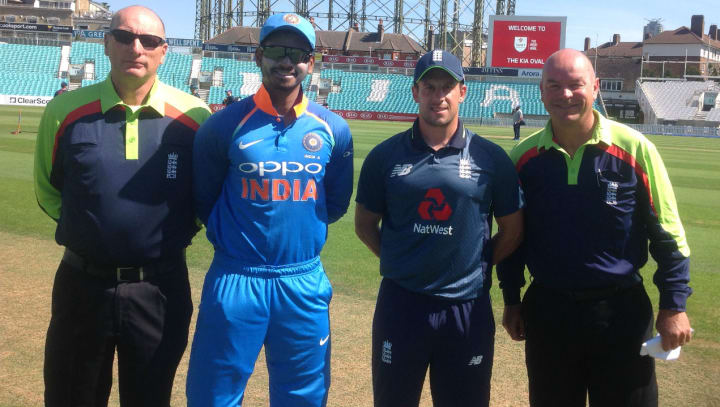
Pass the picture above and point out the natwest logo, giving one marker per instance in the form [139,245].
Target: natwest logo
[434,207]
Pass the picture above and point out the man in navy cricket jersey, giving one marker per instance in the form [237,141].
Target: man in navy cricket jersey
[435,189]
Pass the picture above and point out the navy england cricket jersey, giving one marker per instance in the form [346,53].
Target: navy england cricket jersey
[437,209]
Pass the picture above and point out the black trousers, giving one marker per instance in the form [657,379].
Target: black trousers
[146,321]
[412,332]
[516,129]
[575,348]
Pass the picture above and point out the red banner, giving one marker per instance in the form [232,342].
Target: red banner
[216,107]
[385,63]
[388,117]
[524,44]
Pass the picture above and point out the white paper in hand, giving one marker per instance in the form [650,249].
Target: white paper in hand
[653,347]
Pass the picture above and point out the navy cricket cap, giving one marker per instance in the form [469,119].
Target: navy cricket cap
[288,22]
[439,59]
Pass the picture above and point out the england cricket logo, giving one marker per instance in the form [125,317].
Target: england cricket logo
[521,44]
[172,163]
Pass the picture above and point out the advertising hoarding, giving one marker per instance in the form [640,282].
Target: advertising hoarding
[524,41]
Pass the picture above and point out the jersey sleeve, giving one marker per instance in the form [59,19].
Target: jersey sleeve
[48,197]
[338,179]
[668,244]
[210,164]
[371,186]
[507,194]
[511,270]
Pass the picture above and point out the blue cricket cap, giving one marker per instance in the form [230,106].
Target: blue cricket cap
[288,22]
[439,59]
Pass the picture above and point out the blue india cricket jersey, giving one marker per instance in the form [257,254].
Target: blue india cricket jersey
[265,190]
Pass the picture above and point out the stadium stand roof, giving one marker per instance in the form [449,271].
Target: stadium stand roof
[347,41]
[239,36]
[620,49]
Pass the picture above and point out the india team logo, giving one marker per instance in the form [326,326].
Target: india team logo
[312,142]
[291,18]
[520,44]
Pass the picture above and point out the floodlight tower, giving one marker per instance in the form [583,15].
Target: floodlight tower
[511,7]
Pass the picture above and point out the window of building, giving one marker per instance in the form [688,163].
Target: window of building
[611,84]
[32,19]
[10,18]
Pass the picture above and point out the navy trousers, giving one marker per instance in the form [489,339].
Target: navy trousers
[412,332]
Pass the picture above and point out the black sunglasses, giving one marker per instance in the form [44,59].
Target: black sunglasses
[148,41]
[296,55]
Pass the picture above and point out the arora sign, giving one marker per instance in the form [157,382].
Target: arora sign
[524,42]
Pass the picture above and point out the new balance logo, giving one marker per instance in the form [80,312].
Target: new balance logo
[401,169]
[476,360]
[387,352]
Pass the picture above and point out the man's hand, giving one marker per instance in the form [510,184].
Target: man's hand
[513,322]
[673,327]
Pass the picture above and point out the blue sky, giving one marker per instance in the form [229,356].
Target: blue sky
[599,21]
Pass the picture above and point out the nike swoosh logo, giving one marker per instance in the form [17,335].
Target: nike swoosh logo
[324,340]
[244,146]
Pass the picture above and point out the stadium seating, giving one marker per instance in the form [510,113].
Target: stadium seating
[29,70]
[35,58]
[391,93]
[713,115]
[80,52]
[175,71]
[360,91]
[674,100]
[28,84]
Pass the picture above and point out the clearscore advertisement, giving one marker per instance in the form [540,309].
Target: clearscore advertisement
[523,41]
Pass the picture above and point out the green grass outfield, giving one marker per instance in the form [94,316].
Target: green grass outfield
[693,165]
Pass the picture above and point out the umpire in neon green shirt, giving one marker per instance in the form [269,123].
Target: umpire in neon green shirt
[113,168]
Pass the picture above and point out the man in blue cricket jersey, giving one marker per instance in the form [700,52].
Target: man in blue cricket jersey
[435,189]
[271,172]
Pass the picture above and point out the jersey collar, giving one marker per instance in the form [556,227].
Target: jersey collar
[263,102]
[601,134]
[109,97]
[457,140]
